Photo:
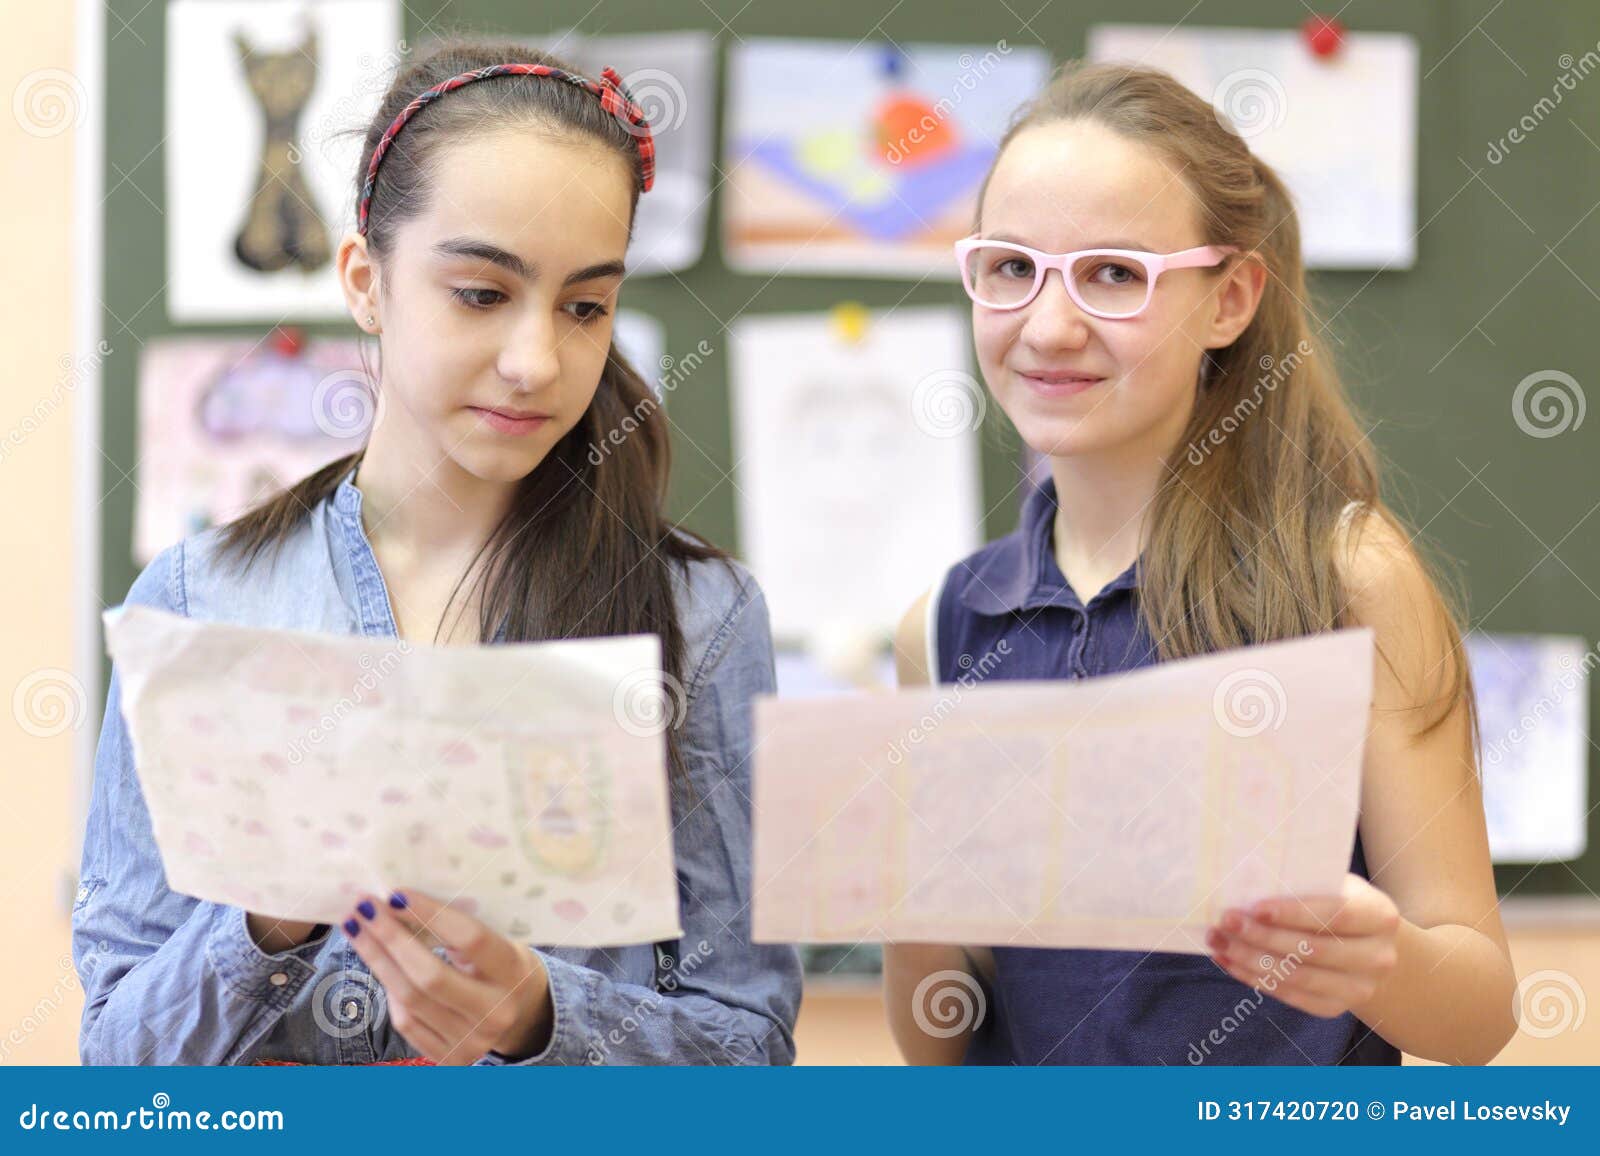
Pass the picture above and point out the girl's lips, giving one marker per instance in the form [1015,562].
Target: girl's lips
[507,424]
[1058,384]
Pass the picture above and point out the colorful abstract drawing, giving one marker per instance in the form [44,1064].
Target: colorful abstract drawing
[863,159]
[225,422]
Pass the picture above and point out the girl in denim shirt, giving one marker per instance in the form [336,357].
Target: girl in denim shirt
[511,489]
[1209,488]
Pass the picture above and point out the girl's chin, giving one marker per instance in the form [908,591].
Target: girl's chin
[1057,439]
[499,463]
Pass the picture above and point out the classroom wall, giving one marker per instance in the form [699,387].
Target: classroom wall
[1501,291]
[40,1000]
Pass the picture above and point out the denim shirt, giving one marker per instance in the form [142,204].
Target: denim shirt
[170,979]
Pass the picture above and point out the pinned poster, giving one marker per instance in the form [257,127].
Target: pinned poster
[863,159]
[855,435]
[672,76]
[1340,128]
[226,422]
[288,772]
[640,338]
[1533,714]
[260,162]
[1126,812]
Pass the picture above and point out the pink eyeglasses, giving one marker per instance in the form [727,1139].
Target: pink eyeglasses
[1111,283]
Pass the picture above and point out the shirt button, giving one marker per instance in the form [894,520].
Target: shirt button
[278,979]
[83,893]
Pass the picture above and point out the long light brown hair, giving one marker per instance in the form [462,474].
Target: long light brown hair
[1244,534]
[585,549]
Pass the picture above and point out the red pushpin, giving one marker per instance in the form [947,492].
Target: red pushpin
[1324,35]
[288,340]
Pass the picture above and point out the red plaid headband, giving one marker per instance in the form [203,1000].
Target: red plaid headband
[613,96]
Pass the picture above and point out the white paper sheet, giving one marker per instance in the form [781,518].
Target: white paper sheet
[1342,131]
[1533,713]
[852,448]
[673,77]
[215,131]
[1119,812]
[286,772]
[641,339]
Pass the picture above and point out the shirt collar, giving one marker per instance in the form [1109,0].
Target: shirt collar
[346,498]
[347,501]
[1021,573]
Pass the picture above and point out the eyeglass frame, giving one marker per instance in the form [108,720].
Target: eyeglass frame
[1199,257]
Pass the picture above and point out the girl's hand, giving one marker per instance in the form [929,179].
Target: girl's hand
[1325,955]
[494,994]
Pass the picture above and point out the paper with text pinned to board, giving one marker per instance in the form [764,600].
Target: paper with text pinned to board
[286,772]
[1123,812]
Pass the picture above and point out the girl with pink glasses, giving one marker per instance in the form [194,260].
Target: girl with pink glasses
[1140,315]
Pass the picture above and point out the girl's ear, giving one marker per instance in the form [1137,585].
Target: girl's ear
[1237,296]
[358,277]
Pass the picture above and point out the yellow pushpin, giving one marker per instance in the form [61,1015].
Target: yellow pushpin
[850,320]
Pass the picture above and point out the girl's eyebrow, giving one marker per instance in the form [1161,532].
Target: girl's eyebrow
[495,255]
[595,272]
[1114,243]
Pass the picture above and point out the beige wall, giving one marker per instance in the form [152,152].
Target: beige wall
[39,996]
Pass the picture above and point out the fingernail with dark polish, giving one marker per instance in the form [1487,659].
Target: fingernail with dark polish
[368,911]
[397,900]
[352,928]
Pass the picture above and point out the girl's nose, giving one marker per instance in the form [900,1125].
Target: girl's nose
[1054,320]
[531,358]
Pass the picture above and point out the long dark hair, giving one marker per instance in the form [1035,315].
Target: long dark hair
[585,549]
